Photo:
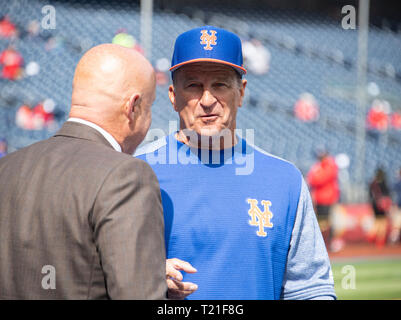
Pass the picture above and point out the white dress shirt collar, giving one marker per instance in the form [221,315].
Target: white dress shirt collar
[104,133]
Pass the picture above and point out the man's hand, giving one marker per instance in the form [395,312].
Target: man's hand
[176,288]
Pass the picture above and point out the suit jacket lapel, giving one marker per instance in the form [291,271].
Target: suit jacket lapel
[82,131]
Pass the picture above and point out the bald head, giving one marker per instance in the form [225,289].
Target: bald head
[112,87]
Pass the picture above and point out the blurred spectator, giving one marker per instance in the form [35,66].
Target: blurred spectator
[256,56]
[43,114]
[397,190]
[395,235]
[379,196]
[126,40]
[396,120]
[7,28]
[37,118]
[343,162]
[162,67]
[161,78]
[33,28]
[323,181]
[378,115]
[12,62]
[54,42]
[379,193]
[306,108]
[3,147]
[23,117]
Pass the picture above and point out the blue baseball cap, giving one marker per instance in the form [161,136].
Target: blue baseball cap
[208,44]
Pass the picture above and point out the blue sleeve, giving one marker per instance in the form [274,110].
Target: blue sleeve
[308,272]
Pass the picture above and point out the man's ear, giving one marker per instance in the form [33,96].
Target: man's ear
[132,105]
[242,91]
[171,95]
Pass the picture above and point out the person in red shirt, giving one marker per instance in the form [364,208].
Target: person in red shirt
[12,62]
[23,117]
[396,120]
[323,181]
[42,116]
[7,28]
[306,108]
[378,116]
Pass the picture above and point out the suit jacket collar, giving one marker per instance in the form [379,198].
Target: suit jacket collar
[82,131]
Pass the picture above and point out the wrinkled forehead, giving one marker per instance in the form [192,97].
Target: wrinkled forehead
[200,70]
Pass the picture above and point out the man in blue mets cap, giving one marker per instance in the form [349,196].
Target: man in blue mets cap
[239,222]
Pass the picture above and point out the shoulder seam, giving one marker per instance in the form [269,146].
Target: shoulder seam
[267,153]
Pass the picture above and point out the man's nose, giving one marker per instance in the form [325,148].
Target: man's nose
[208,99]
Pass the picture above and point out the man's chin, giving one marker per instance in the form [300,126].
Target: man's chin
[209,132]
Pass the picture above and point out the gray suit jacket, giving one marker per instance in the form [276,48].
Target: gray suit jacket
[79,220]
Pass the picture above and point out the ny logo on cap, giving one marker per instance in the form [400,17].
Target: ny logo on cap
[207,39]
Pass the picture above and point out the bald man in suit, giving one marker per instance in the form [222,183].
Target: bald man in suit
[80,218]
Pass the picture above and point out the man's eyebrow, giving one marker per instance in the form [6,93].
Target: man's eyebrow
[224,79]
[189,78]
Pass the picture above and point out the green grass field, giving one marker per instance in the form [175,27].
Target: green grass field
[368,279]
